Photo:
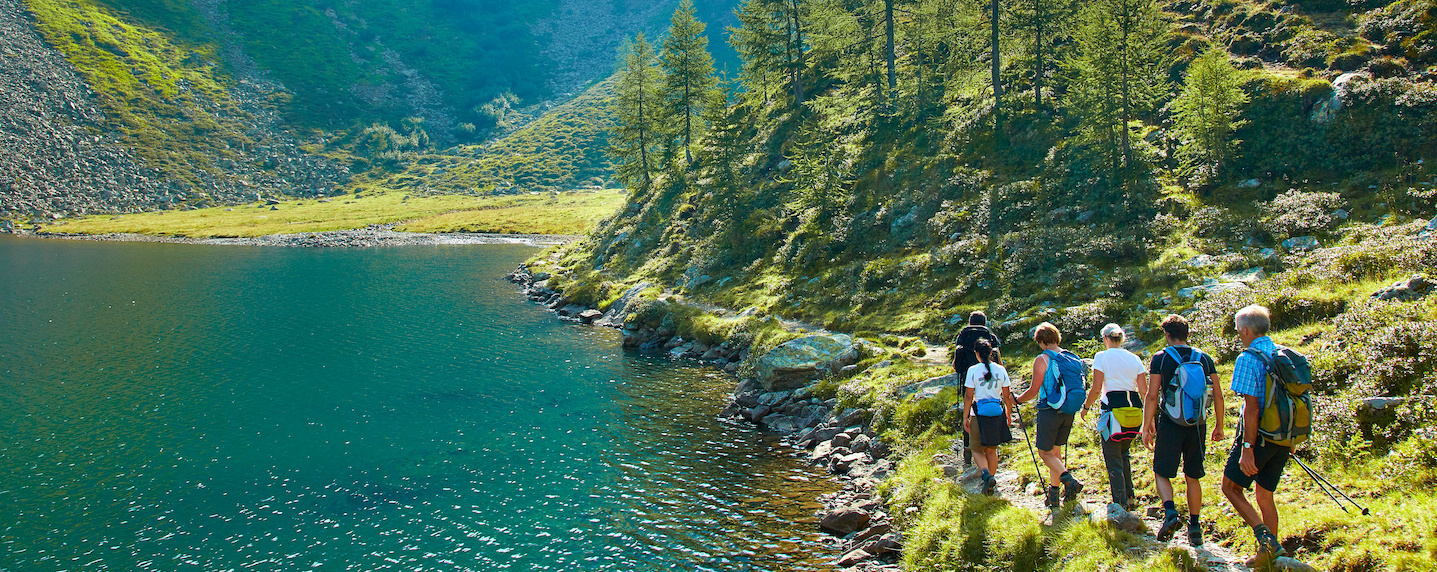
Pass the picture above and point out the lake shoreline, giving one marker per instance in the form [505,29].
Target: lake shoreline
[832,439]
[373,236]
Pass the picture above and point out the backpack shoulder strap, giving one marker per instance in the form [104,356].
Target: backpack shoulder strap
[1172,352]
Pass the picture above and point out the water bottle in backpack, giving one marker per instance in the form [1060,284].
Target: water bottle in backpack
[1064,386]
[1185,395]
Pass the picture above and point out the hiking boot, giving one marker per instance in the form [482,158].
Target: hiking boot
[990,486]
[1052,500]
[1071,490]
[1172,521]
[1194,535]
[1269,548]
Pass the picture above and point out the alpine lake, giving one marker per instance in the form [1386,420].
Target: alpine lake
[190,407]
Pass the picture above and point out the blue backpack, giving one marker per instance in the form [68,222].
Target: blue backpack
[1185,396]
[1065,382]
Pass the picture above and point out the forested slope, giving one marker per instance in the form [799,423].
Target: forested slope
[1142,158]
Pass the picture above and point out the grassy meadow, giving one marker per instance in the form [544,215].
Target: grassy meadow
[567,213]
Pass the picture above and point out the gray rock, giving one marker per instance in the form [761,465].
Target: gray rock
[1209,289]
[1381,403]
[841,440]
[1301,243]
[1286,564]
[588,316]
[845,521]
[1249,184]
[797,362]
[852,558]
[1115,516]
[928,387]
[1200,261]
[884,544]
[849,417]
[1255,274]
[1340,214]
[821,452]
[860,443]
[774,398]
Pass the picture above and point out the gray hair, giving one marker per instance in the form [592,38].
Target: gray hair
[1255,318]
[1114,331]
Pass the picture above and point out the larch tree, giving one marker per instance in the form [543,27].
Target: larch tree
[640,122]
[688,76]
[1118,73]
[1208,111]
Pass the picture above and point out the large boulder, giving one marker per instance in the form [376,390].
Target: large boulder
[845,521]
[797,362]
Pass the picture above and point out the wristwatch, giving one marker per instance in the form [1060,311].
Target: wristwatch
[1246,445]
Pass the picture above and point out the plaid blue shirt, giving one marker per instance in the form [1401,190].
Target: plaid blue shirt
[1249,376]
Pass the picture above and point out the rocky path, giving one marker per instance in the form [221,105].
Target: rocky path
[1216,557]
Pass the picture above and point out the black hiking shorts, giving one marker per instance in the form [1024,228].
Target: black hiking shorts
[1177,444]
[1270,459]
[1052,429]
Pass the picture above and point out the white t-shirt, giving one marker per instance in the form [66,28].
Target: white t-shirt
[1120,370]
[987,389]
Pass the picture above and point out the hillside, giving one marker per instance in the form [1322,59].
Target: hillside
[885,192]
[149,105]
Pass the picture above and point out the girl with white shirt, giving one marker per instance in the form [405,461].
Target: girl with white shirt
[988,409]
[1119,381]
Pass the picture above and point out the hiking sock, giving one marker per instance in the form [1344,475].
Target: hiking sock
[1169,506]
[1193,520]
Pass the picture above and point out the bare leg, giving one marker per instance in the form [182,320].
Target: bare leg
[1238,497]
[1269,508]
[1054,460]
[1194,496]
[992,455]
[1164,486]
[980,458]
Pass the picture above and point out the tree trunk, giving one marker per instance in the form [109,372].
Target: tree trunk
[1038,53]
[1125,53]
[889,50]
[798,45]
[997,77]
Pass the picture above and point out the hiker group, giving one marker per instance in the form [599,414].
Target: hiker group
[1174,405]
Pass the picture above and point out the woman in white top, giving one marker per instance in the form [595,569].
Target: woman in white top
[989,406]
[1119,381]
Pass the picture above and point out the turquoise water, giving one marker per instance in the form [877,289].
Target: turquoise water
[168,406]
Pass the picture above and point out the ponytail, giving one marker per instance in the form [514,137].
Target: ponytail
[985,350]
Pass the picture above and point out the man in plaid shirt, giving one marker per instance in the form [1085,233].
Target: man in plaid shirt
[1252,458]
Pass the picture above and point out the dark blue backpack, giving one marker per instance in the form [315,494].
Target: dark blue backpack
[1065,382]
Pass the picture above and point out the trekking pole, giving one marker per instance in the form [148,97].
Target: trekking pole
[1321,480]
[1037,470]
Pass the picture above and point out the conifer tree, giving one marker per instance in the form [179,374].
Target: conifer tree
[1208,111]
[640,114]
[1118,73]
[688,75]
[756,42]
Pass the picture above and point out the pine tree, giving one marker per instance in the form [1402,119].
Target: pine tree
[1047,23]
[757,42]
[1119,73]
[773,40]
[688,75]
[640,116]
[1208,111]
